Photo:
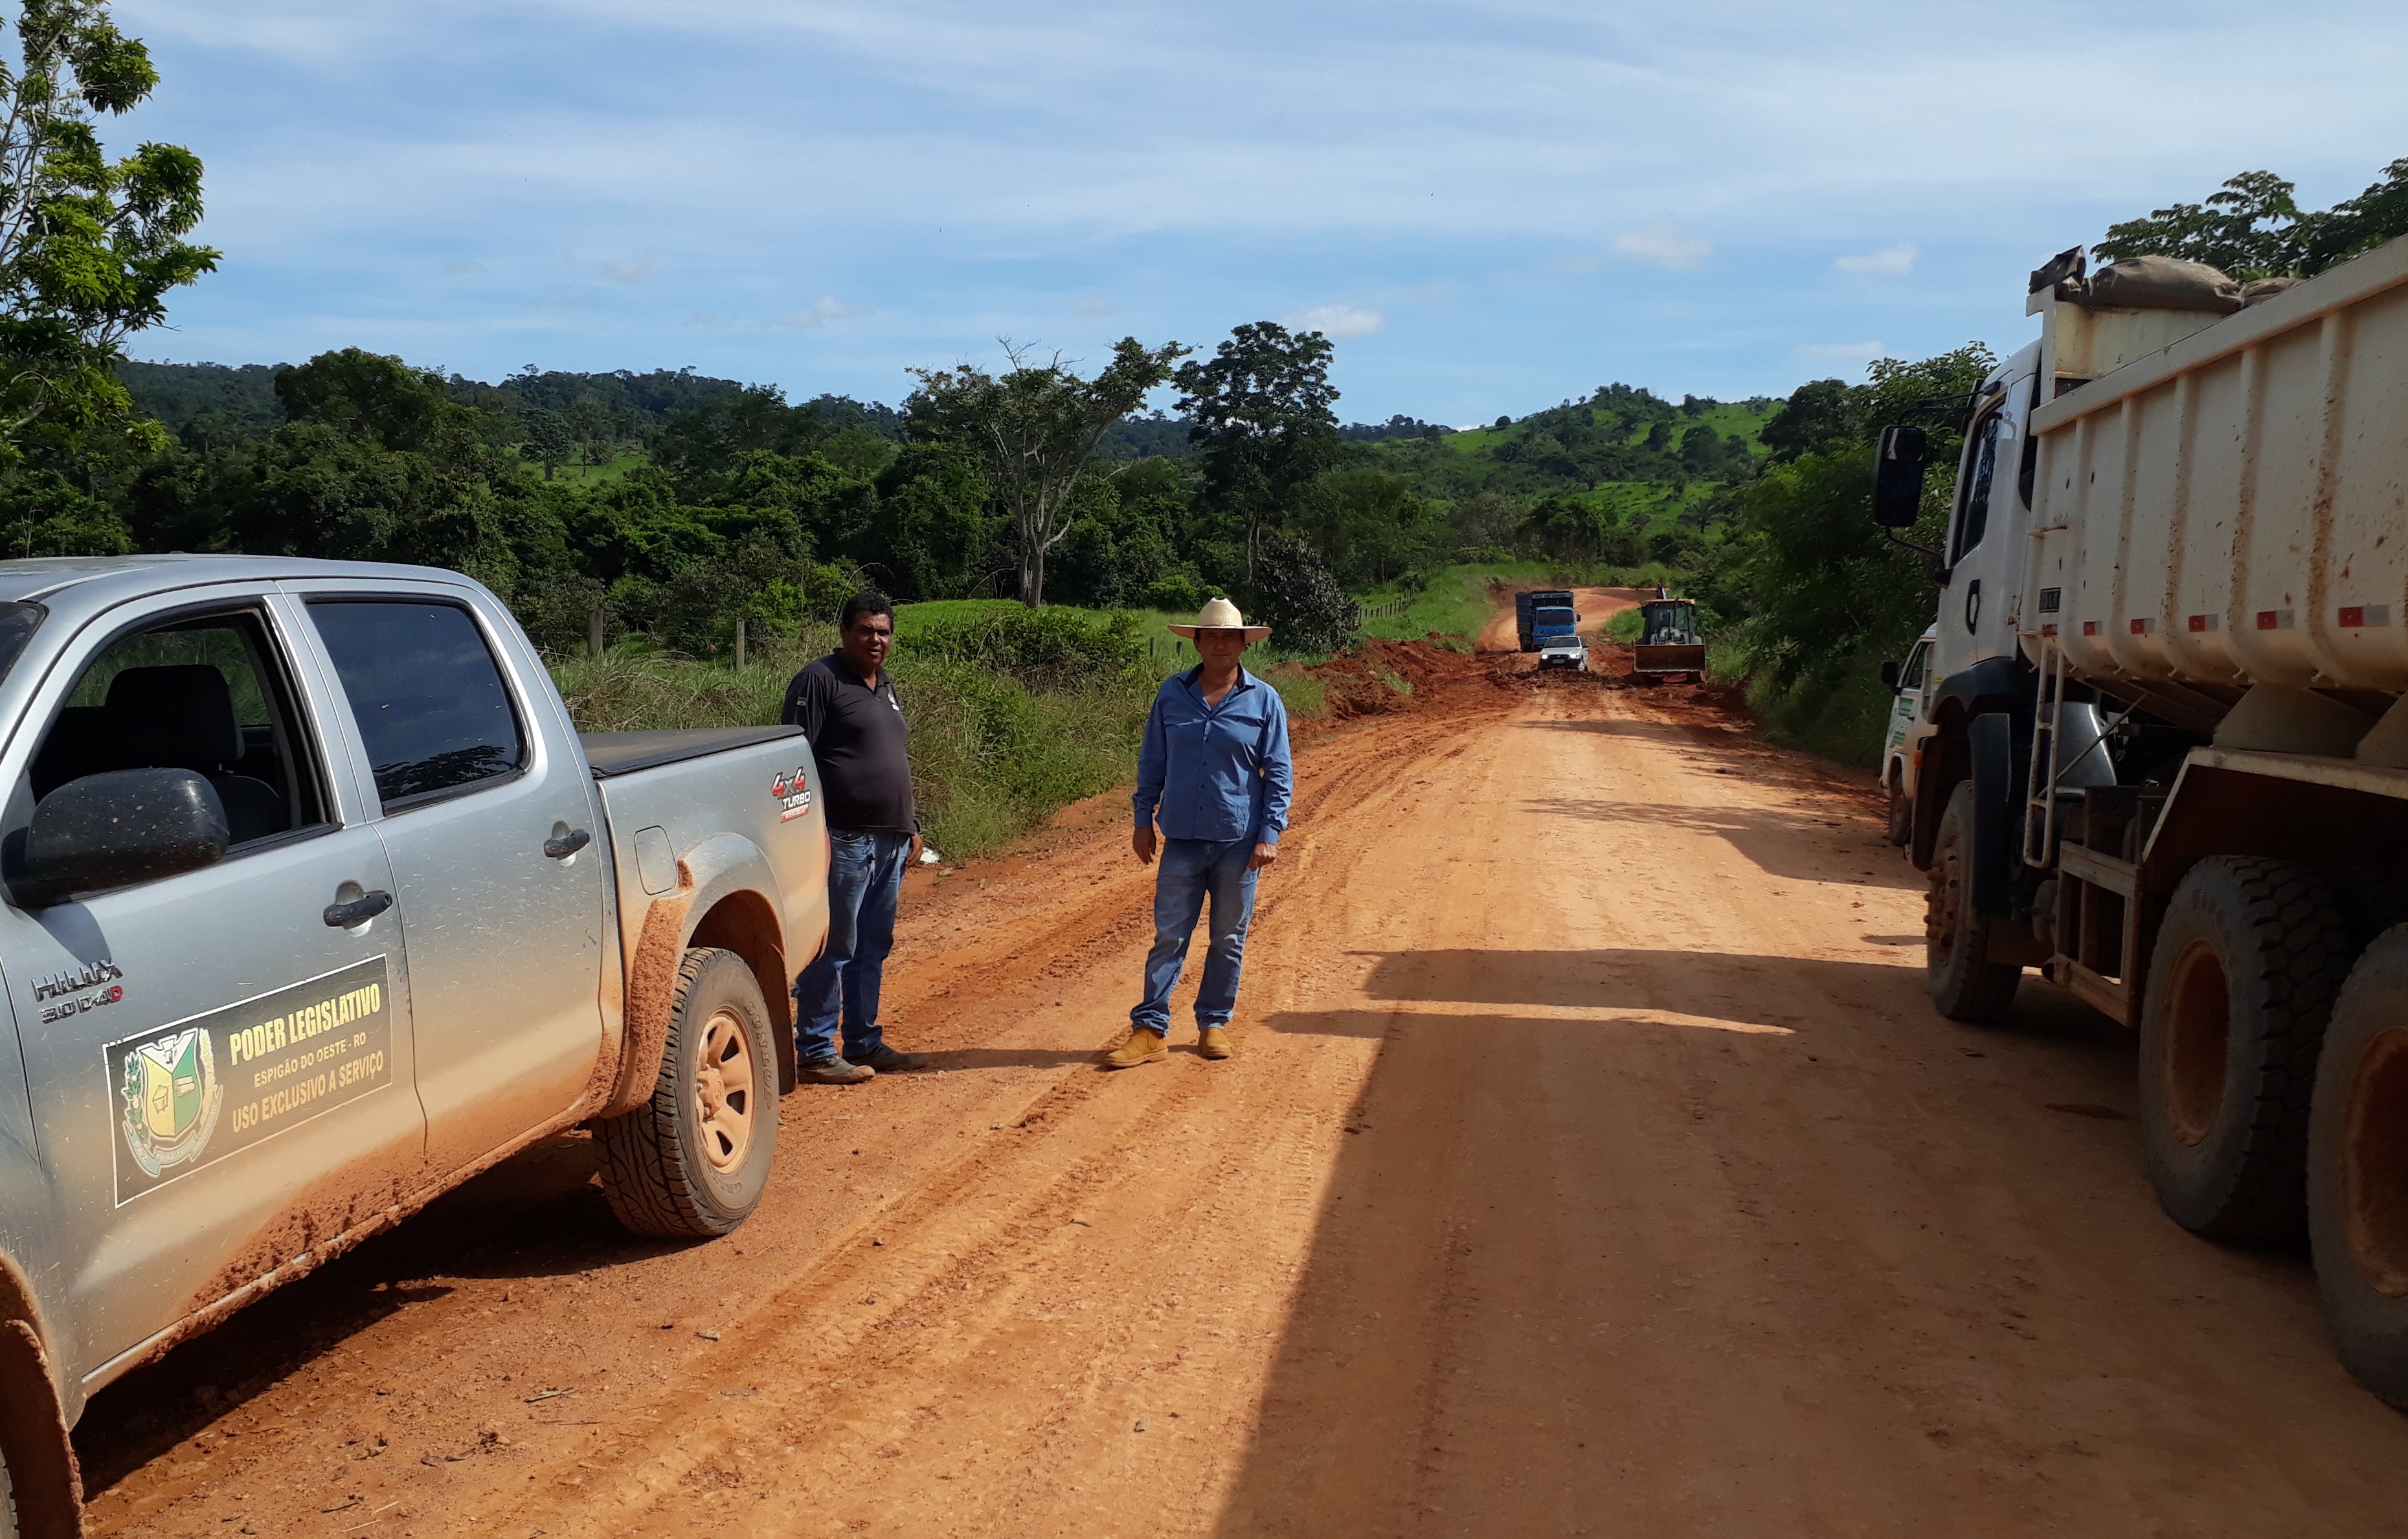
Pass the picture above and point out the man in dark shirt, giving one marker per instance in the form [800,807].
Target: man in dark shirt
[845,705]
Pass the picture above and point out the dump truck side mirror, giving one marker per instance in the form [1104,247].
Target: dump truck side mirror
[1889,676]
[1898,476]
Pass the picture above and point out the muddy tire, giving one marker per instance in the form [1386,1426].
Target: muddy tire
[1901,816]
[41,1496]
[1964,983]
[2357,1169]
[691,1164]
[2249,957]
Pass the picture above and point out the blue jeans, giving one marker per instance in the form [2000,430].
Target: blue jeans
[864,881]
[1185,871]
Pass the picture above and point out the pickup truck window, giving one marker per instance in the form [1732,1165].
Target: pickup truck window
[203,693]
[1912,677]
[429,698]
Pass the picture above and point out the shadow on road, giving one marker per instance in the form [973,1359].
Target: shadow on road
[1762,990]
[1652,1279]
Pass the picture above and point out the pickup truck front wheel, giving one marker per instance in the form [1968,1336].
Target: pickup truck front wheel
[691,1163]
[40,1496]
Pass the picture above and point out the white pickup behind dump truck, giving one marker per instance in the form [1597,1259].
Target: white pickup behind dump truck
[315,906]
[2169,762]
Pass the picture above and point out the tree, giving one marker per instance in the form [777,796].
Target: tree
[1261,410]
[550,440]
[1033,429]
[2249,228]
[2254,227]
[89,247]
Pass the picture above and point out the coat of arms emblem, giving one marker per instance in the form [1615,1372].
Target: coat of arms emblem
[172,1097]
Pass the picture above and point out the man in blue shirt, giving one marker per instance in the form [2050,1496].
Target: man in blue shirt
[1214,772]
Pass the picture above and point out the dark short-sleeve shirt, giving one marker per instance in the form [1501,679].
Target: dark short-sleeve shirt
[857,736]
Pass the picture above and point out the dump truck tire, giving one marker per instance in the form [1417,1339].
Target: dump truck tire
[2357,1169]
[1901,816]
[691,1164]
[2249,957]
[1965,985]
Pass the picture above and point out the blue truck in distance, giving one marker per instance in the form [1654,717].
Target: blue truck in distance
[1543,614]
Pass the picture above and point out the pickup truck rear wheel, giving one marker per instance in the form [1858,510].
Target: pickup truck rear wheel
[2357,1169]
[1963,982]
[691,1164]
[2248,959]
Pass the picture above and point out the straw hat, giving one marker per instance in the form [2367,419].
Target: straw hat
[1220,614]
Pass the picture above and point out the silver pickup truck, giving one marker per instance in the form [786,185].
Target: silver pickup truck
[313,905]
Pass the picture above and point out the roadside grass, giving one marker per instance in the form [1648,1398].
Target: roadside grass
[994,751]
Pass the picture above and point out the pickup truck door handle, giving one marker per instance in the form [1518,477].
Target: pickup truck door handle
[359,911]
[566,844]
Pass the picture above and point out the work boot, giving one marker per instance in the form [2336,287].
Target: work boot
[1142,1046]
[832,1070]
[888,1061]
[1213,1042]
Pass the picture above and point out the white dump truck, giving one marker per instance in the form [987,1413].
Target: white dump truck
[2168,758]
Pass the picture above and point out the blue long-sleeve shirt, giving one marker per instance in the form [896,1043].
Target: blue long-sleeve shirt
[1219,773]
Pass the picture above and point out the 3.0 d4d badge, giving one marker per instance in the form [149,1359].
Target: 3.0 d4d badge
[172,1099]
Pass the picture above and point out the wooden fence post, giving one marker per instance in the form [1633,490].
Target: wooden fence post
[593,631]
[739,643]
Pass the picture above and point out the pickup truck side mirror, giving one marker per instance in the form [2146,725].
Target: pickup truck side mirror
[1889,675]
[116,829]
[1897,477]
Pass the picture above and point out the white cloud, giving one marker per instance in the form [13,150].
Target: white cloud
[1839,352]
[818,315]
[1336,320]
[1668,250]
[1889,262]
[631,271]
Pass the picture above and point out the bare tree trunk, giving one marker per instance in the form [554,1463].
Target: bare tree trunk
[1032,574]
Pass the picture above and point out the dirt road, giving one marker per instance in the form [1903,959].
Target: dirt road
[1596,606]
[1591,1163]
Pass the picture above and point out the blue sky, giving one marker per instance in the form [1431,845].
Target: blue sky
[1489,207]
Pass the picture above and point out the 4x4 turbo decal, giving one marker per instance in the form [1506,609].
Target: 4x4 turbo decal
[794,794]
[191,1092]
